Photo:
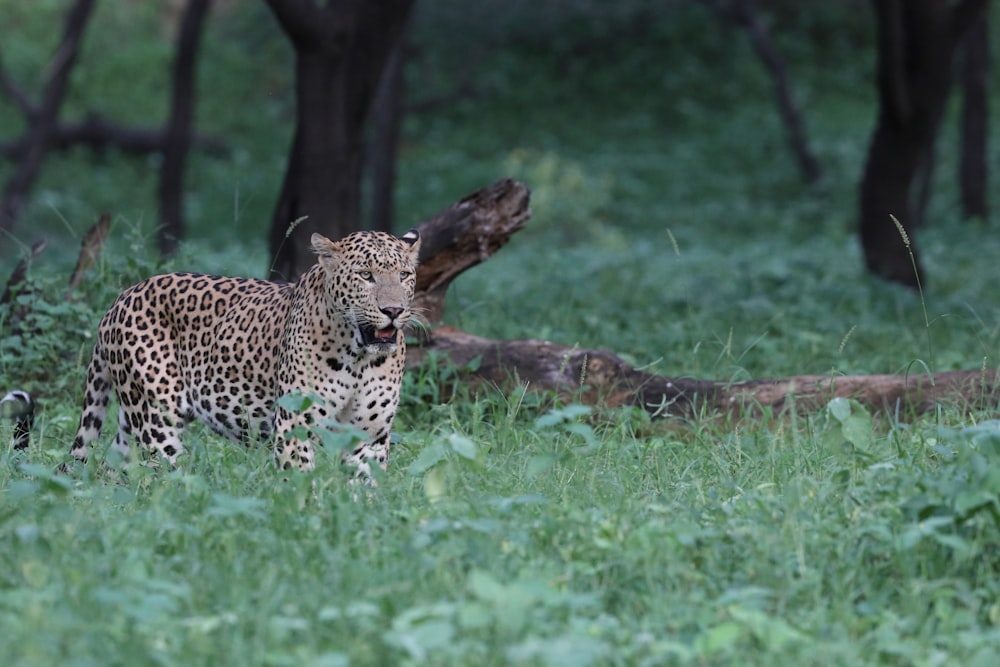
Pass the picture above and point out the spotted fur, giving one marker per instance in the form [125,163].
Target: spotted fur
[185,346]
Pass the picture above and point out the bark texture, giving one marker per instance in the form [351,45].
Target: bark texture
[973,175]
[341,48]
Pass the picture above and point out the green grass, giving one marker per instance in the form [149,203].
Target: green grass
[669,226]
[544,540]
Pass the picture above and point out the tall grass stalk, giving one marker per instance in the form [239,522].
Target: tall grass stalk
[920,291]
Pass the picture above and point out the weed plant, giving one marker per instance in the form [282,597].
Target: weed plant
[510,529]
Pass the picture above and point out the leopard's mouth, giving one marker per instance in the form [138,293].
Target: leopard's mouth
[385,336]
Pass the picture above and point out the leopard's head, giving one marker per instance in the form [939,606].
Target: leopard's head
[370,278]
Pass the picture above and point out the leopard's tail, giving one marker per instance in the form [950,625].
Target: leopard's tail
[95,403]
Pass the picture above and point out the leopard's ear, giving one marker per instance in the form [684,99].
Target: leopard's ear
[328,252]
[323,246]
[412,238]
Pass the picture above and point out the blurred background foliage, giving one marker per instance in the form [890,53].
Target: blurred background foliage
[641,101]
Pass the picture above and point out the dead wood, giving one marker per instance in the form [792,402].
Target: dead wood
[20,271]
[465,234]
[90,248]
[599,377]
[472,230]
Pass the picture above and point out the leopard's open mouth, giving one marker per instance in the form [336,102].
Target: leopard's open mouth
[372,336]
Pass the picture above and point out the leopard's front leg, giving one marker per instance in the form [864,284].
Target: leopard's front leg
[368,452]
[291,450]
[373,411]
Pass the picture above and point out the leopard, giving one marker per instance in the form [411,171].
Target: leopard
[179,347]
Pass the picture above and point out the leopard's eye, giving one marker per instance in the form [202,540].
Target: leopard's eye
[366,275]
[403,275]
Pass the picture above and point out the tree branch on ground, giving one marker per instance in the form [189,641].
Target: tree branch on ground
[470,231]
[476,227]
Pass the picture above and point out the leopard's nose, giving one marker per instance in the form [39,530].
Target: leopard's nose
[392,312]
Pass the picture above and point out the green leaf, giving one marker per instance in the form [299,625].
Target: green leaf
[463,446]
[584,431]
[857,429]
[967,501]
[576,650]
[562,415]
[51,481]
[839,408]
[719,638]
[331,659]
[336,438]
[429,457]
[299,432]
[538,464]
[485,586]
[435,484]
[224,505]
[953,542]
[296,402]
[475,616]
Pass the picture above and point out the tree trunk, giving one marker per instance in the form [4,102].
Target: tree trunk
[916,42]
[178,132]
[975,114]
[383,148]
[43,118]
[340,51]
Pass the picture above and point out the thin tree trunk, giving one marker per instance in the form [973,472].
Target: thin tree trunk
[44,117]
[975,71]
[744,14]
[760,38]
[383,149]
[178,132]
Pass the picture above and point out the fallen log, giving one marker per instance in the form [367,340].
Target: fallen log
[476,227]
[599,377]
